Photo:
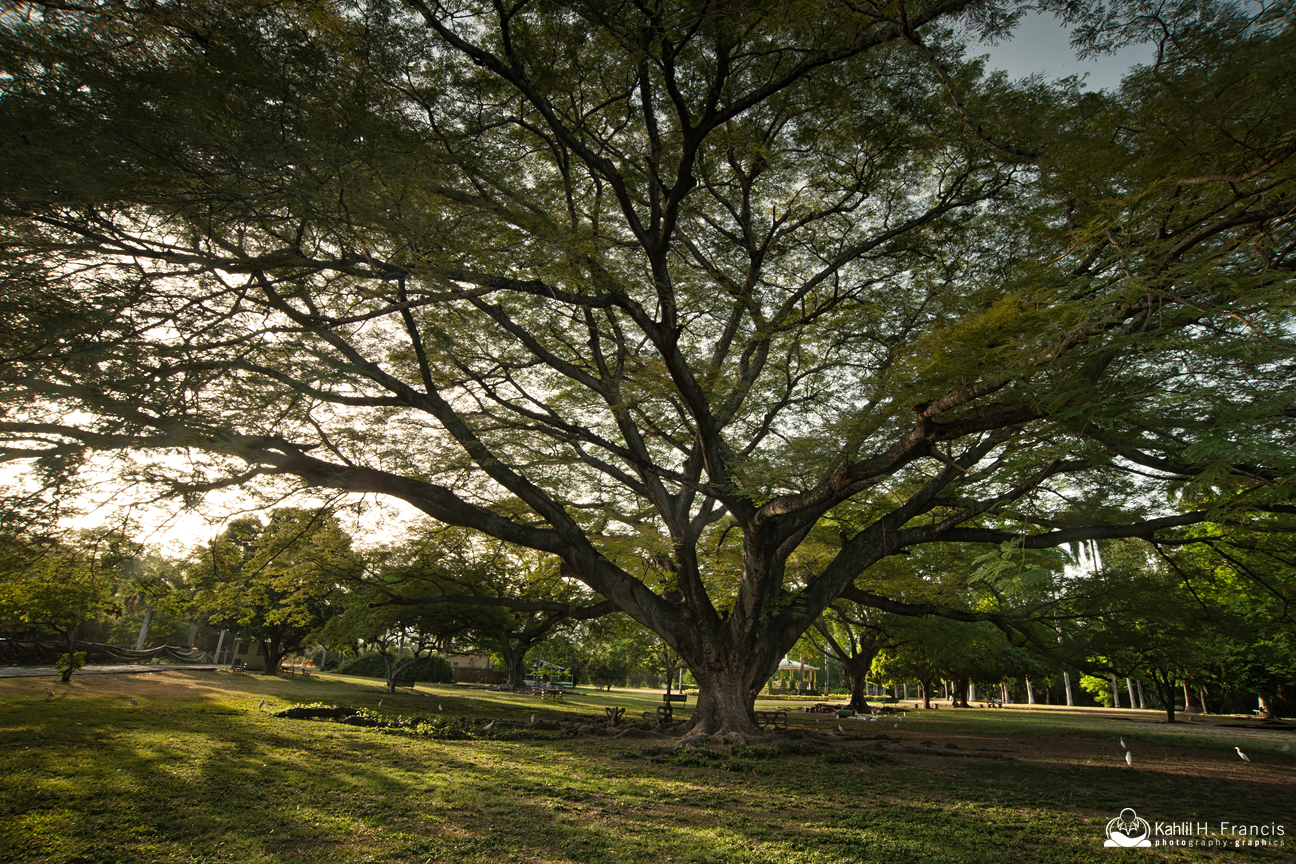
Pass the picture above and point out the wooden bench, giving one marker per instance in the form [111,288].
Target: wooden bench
[404,679]
[239,668]
[772,719]
[552,694]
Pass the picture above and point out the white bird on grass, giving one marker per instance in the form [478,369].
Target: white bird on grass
[1129,758]
[1284,747]
[1245,758]
[50,693]
[532,719]
[379,703]
[439,708]
[488,726]
[261,704]
[134,701]
[839,728]
[1123,747]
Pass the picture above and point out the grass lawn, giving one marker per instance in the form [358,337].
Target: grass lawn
[197,772]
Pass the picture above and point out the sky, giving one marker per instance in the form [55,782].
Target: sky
[1041,44]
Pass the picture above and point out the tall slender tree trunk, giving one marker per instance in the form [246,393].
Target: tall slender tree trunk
[66,677]
[1166,690]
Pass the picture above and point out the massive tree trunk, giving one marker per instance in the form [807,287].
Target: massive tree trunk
[960,695]
[857,669]
[728,682]
[514,657]
[272,657]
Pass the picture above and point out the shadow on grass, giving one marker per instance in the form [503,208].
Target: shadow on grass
[208,779]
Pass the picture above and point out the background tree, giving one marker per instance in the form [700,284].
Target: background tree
[401,635]
[275,582]
[854,636]
[666,283]
[59,585]
[503,600]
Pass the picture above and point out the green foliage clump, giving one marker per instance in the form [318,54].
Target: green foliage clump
[1099,687]
[434,669]
[70,661]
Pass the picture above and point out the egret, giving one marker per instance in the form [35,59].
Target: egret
[439,708]
[1123,747]
[1129,758]
[1284,747]
[487,727]
[134,701]
[1245,758]
[379,703]
[261,704]
[839,728]
[532,719]
[50,693]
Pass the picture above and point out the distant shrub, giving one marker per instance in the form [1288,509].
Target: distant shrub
[366,665]
[434,669]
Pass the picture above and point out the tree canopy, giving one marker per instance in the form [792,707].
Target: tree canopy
[719,305]
[277,582]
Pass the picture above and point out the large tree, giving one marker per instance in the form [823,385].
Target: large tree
[657,288]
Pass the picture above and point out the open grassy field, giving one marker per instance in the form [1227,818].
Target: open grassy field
[197,772]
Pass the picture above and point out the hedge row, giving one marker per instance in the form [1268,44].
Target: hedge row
[434,670]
